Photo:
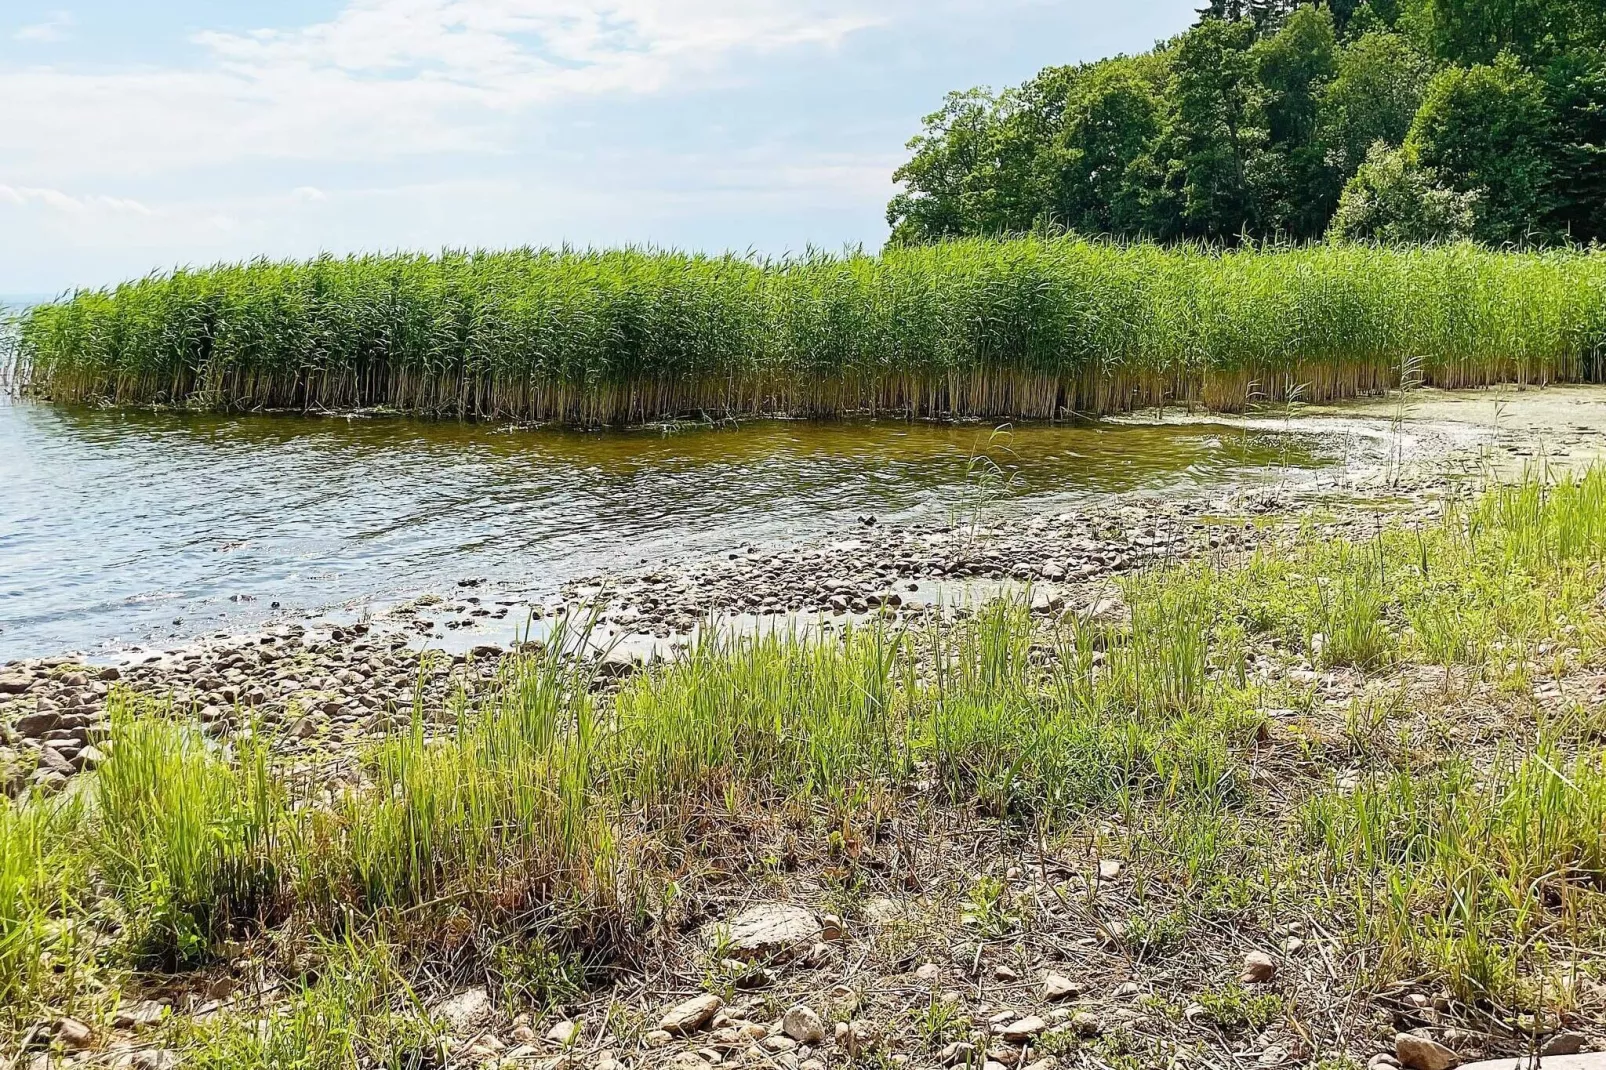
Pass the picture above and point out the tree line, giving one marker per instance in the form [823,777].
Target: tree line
[1390,120]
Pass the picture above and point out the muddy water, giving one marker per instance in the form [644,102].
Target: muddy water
[128,528]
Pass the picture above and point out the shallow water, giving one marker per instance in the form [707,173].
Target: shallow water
[121,528]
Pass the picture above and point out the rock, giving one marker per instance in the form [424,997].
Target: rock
[1259,968]
[1110,868]
[35,725]
[958,1053]
[1023,1029]
[48,782]
[15,683]
[1563,1043]
[72,1034]
[111,674]
[1057,987]
[830,928]
[857,1037]
[465,1011]
[1421,1053]
[930,972]
[769,931]
[1086,1024]
[564,1033]
[690,1016]
[657,1038]
[66,749]
[617,664]
[803,1025]
[1005,973]
[1382,1061]
[50,760]
[882,911]
[139,1015]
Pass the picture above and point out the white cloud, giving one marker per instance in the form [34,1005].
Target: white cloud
[52,29]
[57,201]
[389,78]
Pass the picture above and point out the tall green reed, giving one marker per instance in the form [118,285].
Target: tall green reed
[1028,327]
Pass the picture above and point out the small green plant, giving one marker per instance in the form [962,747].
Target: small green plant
[989,909]
[1236,1010]
[941,1021]
[532,974]
[360,1011]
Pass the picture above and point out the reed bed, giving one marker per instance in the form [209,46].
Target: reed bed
[1034,327]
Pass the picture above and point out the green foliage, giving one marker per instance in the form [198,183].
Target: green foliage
[1394,199]
[1031,327]
[359,1011]
[40,872]
[1250,124]
[1474,32]
[1488,130]
[187,839]
[1113,117]
[1456,874]
[1374,96]
[1576,89]
[1236,1010]
[1218,130]
[1295,66]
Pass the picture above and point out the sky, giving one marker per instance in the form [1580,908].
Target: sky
[139,136]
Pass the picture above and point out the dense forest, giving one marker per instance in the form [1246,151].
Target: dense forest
[1391,120]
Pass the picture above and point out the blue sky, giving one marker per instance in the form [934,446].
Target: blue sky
[139,136]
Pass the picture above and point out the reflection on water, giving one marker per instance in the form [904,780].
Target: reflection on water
[114,525]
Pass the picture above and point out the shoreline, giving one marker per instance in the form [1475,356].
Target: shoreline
[1154,925]
[330,686]
[1447,439]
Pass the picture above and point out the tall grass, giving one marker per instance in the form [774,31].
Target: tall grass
[1474,878]
[184,837]
[1028,327]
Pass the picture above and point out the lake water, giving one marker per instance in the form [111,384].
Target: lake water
[120,528]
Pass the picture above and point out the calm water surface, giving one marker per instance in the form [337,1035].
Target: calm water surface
[125,528]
